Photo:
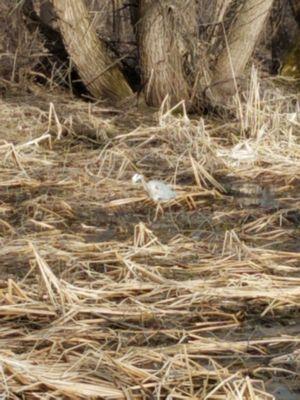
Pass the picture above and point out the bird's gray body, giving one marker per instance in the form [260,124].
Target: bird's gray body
[157,190]
[160,191]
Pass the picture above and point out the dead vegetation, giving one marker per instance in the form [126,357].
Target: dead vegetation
[102,298]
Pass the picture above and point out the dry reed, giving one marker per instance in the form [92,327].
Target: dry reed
[100,300]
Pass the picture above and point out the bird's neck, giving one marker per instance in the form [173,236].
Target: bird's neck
[144,183]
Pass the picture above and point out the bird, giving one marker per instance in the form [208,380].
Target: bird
[157,190]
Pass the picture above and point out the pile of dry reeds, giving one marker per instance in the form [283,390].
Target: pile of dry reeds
[102,295]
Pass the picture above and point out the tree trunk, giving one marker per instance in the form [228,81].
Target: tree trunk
[167,32]
[221,6]
[134,13]
[295,5]
[220,9]
[242,38]
[47,14]
[99,73]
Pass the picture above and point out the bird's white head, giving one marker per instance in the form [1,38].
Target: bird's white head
[137,178]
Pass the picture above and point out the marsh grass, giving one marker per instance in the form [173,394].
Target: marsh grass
[100,299]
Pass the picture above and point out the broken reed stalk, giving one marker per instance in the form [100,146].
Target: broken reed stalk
[96,299]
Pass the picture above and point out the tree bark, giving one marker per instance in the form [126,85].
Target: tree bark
[221,6]
[101,76]
[241,40]
[167,32]
[47,13]
[220,9]
[295,5]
